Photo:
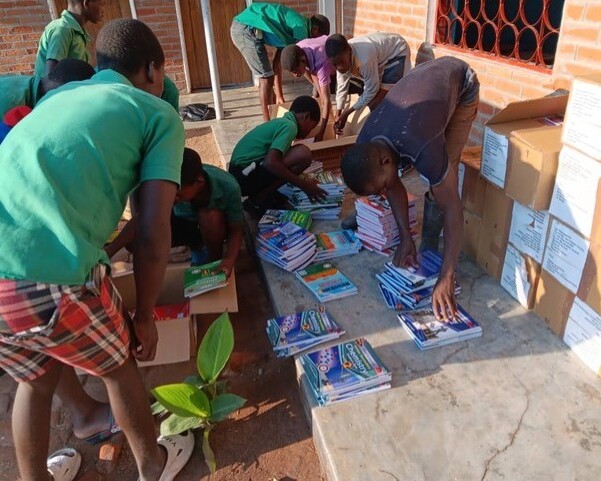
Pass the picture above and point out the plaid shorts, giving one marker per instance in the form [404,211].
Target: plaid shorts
[82,326]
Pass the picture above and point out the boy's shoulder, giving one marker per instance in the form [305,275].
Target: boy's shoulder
[226,180]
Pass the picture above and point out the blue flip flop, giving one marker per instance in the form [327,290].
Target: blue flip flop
[105,434]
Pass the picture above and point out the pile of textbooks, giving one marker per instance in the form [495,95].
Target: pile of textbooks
[273,218]
[326,282]
[345,371]
[287,246]
[336,244]
[377,227]
[329,177]
[326,208]
[201,279]
[408,301]
[428,332]
[291,334]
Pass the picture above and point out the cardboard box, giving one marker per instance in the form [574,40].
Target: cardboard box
[330,152]
[520,276]
[577,197]
[529,230]
[553,302]
[532,166]
[472,224]
[494,231]
[583,334]
[472,189]
[531,115]
[582,129]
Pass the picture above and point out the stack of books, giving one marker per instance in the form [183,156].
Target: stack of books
[398,301]
[327,208]
[329,177]
[291,334]
[336,244]
[345,371]
[377,227]
[427,332]
[201,279]
[273,218]
[287,246]
[326,282]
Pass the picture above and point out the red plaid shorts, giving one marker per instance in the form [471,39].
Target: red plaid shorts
[82,326]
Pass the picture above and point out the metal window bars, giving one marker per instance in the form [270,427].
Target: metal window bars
[524,31]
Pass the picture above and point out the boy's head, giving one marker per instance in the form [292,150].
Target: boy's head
[294,60]
[369,168]
[193,177]
[307,113]
[320,25]
[67,70]
[90,10]
[130,47]
[338,52]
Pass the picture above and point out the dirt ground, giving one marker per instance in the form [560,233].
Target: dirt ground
[203,142]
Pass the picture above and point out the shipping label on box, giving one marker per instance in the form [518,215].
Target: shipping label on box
[575,194]
[518,278]
[528,232]
[494,157]
[582,129]
[583,334]
[565,255]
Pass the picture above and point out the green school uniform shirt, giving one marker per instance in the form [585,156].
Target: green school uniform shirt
[170,93]
[18,90]
[65,178]
[276,134]
[283,25]
[225,196]
[62,38]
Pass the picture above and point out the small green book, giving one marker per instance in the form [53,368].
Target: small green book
[201,279]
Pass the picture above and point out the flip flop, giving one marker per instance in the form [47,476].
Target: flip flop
[179,449]
[64,464]
[105,434]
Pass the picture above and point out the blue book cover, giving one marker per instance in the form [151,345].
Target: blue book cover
[299,328]
[430,263]
[326,282]
[283,237]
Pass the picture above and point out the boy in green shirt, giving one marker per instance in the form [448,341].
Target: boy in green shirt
[263,160]
[64,186]
[277,26]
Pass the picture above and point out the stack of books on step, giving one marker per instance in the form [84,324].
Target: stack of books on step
[377,227]
[345,371]
[326,208]
[201,279]
[336,244]
[316,166]
[398,301]
[287,246]
[427,332]
[326,282]
[294,333]
[273,218]
[329,177]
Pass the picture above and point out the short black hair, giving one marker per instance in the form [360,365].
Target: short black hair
[71,70]
[358,167]
[306,103]
[335,45]
[192,167]
[127,45]
[322,23]
[291,57]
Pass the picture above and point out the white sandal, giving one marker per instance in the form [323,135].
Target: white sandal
[64,464]
[179,448]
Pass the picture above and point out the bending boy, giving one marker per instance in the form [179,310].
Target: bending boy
[376,59]
[277,26]
[426,119]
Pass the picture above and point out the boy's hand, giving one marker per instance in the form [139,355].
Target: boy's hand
[405,254]
[226,266]
[341,121]
[147,337]
[312,189]
[443,299]
[318,137]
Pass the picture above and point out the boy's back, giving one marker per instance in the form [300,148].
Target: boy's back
[71,164]
[18,90]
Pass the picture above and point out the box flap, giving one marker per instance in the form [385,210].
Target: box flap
[547,139]
[529,109]
[334,143]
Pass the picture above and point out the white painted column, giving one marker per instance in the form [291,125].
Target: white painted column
[328,8]
[132,7]
[205,6]
[182,43]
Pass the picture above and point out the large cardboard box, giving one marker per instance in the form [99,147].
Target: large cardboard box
[472,224]
[529,115]
[532,166]
[494,231]
[582,129]
[553,302]
[528,231]
[583,334]
[520,276]
[472,187]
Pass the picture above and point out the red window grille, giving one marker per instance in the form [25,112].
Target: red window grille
[526,31]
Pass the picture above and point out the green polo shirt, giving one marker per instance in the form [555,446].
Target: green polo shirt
[283,25]
[62,38]
[170,93]
[65,178]
[276,134]
[225,196]
[18,90]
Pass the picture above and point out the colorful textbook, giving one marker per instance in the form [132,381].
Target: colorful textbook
[326,208]
[408,280]
[201,279]
[344,371]
[326,282]
[287,246]
[293,333]
[273,218]
[336,244]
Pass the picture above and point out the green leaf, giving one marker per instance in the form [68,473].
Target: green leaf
[225,404]
[157,408]
[195,380]
[215,348]
[221,386]
[183,399]
[175,424]
[208,452]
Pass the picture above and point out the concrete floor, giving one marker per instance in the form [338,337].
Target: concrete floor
[514,404]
